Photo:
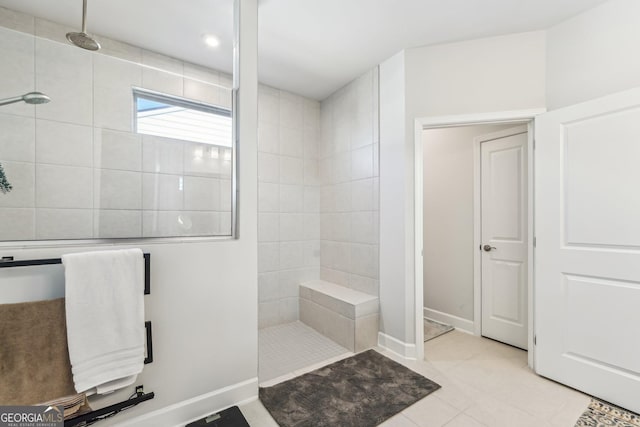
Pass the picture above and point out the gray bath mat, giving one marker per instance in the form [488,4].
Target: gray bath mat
[361,391]
[600,414]
[434,329]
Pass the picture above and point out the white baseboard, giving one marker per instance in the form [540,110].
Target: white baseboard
[198,407]
[403,349]
[459,323]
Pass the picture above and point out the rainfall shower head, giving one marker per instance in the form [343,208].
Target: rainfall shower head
[82,39]
[29,98]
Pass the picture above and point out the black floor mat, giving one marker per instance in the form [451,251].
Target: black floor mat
[231,417]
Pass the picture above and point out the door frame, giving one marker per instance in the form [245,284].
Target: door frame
[425,123]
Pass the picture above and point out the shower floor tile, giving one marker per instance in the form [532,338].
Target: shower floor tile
[291,347]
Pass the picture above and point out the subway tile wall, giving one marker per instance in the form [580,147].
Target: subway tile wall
[288,202]
[77,168]
[348,172]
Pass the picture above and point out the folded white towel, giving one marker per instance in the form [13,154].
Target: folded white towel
[105,318]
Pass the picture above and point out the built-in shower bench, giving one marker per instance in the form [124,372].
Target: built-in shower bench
[347,316]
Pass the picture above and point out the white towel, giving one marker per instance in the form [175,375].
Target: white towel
[105,318]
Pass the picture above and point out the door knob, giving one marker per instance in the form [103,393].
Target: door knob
[488,248]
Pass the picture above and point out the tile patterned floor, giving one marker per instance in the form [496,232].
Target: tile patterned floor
[484,384]
[284,349]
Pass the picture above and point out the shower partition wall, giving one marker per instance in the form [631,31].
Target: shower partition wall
[77,167]
[288,202]
[318,194]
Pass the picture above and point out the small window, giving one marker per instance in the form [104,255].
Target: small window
[178,118]
[187,162]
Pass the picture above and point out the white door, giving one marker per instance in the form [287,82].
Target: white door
[504,236]
[587,285]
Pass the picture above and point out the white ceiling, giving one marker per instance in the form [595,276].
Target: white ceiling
[310,47]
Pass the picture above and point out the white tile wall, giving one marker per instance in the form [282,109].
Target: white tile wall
[268,167]
[268,257]
[116,189]
[21,176]
[267,135]
[348,170]
[312,227]
[205,92]
[291,227]
[180,223]
[311,197]
[64,143]
[291,198]
[291,170]
[63,223]
[291,142]
[113,79]
[201,194]
[162,192]
[17,139]
[18,224]
[162,155]
[17,69]
[117,223]
[17,21]
[64,187]
[268,197]
[268,227]
[288,201]
[65,73]
[117,150]
[162,74]
[77,168]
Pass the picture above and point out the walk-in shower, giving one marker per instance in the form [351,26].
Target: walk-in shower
[29,98]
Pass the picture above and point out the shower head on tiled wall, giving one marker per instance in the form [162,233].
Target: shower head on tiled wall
[29,98]
[82,39]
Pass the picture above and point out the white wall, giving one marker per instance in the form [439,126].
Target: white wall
[448,218]
[395,276]
[485,75]
[594,54]
[203,300]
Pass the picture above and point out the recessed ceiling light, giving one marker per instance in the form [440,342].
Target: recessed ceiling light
[211,41]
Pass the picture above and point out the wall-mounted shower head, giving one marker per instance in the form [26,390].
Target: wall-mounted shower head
[82,39]
[29,98]
[35,98]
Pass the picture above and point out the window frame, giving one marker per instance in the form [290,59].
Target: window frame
[176,101]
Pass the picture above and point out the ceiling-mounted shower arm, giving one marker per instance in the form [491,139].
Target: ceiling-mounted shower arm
[84,16]
[82,39]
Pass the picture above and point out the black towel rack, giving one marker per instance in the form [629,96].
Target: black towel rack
[109,411]
[8,261]
[139,396]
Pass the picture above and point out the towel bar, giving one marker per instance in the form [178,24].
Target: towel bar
[140,396]
[149,358]
[8,261]
[107,411]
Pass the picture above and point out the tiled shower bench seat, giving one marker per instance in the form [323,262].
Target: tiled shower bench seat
[347,316]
